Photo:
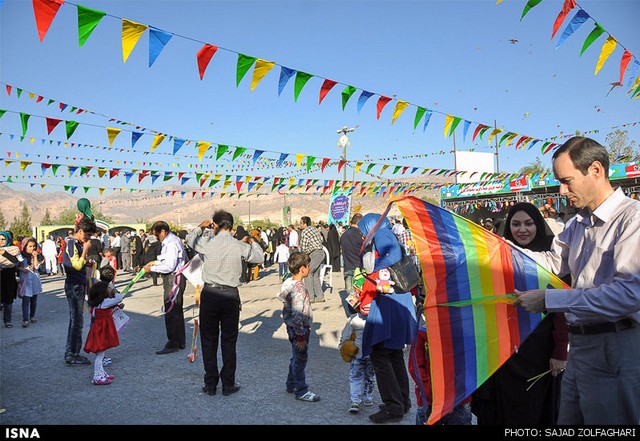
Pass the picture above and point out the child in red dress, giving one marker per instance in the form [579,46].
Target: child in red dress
[102,334]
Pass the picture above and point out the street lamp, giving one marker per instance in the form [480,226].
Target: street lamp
[343,142]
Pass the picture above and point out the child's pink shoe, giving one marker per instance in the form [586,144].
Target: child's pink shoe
[109,376]
[102,381]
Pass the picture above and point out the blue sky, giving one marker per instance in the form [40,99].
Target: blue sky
[453,57]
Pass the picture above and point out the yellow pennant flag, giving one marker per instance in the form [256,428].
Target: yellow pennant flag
[384,167]
[156,141]
[202,148]
[7,162]
[358,165]
[258,185]
[510,138]
[299,157]
[494,133]
[292,181]
[17,154]
[261,68]
[111,134]
[24,164]
[226,184]
[607,49]
[101,171]
[43,185]
[32,140]
[131,33]
[32,95]
[448,120]
[635,85]
[101,190]
[398,110]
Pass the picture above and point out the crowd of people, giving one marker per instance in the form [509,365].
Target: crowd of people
[587,341]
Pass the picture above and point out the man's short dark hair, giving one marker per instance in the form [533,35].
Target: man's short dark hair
[306,220]
[583,152]
[159,226]
[87,225]
[223,219]
[297,260]
[356,218]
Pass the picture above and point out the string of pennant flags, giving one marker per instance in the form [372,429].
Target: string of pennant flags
[608,47]
[221,149]
[88,19]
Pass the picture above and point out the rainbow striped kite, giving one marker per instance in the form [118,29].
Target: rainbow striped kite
[470,275]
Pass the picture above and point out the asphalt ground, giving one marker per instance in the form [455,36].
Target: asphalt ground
[38,388]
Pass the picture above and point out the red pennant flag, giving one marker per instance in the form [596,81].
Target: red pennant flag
[204,56]
[382,101]
[341,164]
[520,141]
[180,175]
[113,173]
[238,185]
[566,8]
[477,130]
[325,161]
[326,87]
[45,11]
[51,124]
[404,169]
[626,57]
[40,98]
[8,89]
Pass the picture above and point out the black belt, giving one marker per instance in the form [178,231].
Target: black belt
[599,328]
[216,286]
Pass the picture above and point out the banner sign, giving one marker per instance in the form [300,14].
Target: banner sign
[340,207]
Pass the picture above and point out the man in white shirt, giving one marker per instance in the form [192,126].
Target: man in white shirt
[50,255]
[293,238]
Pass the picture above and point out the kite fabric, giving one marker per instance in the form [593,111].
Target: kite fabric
[470,277]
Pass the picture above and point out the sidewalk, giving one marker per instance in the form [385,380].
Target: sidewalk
[38,388]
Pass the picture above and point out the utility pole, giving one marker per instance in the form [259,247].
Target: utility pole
[455,159]
[343,142]
[495,126]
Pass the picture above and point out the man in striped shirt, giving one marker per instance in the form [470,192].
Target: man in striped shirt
[311,243]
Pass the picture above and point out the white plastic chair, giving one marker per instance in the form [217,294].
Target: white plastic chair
[326,267]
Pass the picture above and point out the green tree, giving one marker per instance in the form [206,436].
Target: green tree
[22,225]
[46,220]
[68,217]
[619,146]
[3,221]
[535,167]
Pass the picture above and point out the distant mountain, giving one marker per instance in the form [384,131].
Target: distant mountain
[191,209]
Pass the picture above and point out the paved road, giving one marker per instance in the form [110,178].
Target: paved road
[37,387]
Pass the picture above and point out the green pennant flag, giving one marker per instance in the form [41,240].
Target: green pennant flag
[244,64]
[505,136]
[454,124]
[301,80]
[238,152]
[530,5]
[346,94]
[273,186]
[88,19]
[86,189]
[9,179]
[544,146]
[50,102]
[167,177]
[54,168]
[310,161]
[419,115]
[198,176]
[67,187]
[19,91]
[73,109]
[482,131]
[71,127]
[593,36]
[24,119]
[213,182]
[369,167]
[636,92]
[221,150]
[2,112]
[84,170]
[396,168]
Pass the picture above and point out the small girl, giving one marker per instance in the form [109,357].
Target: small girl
[102,334]
[30,280]
[282,256]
